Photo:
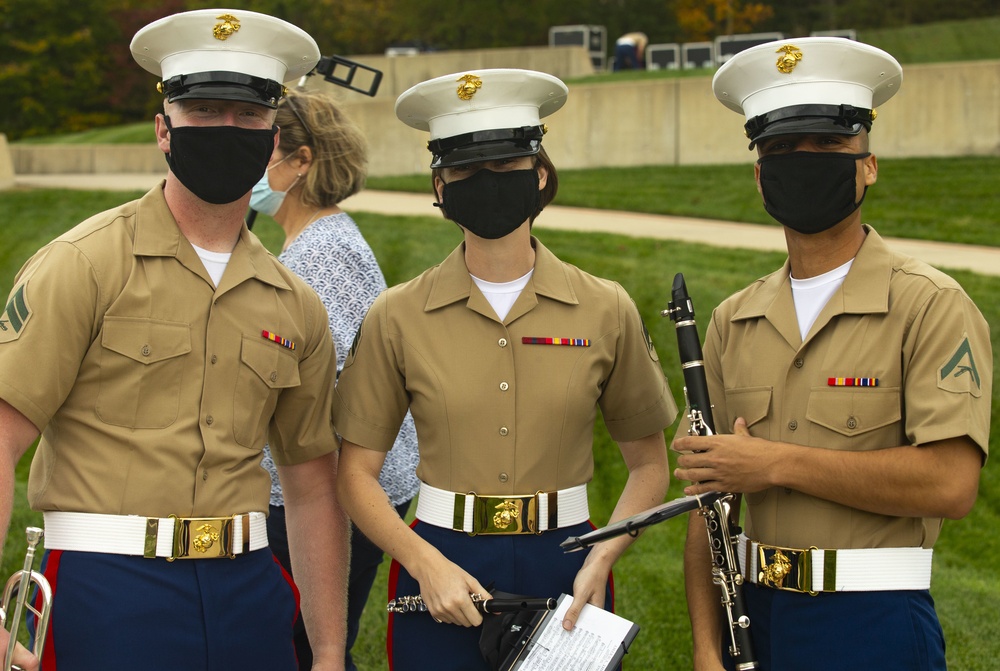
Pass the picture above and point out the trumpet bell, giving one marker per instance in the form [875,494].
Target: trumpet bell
[17,591]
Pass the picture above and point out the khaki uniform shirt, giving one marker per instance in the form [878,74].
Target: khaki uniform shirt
[895,319]
[495,415]
[154,389]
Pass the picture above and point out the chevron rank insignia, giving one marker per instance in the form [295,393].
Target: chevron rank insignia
[15,315]
[959,372]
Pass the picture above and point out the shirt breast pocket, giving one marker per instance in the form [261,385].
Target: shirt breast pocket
[265,370]
[856,419]
[142,371]
[752,404]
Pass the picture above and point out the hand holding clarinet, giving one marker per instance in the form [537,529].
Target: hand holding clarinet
[723,530]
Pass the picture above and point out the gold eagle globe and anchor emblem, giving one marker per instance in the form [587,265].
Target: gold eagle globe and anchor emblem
[205,538]
[227,26]
[791,55]
[469,86]
[774,574]
[505,517]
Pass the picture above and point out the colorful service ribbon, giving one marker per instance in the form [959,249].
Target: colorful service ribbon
[568,342]
[852,382]
[274,337]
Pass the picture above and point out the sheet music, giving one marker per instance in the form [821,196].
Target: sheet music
[593,645]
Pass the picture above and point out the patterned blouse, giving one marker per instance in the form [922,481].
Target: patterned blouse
[334,259]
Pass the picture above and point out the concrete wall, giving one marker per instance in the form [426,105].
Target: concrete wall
[947,109]
[6,165]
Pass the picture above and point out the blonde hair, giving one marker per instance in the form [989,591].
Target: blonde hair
[339,149]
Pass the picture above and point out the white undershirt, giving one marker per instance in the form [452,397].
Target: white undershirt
[811,295]
[502,295]
[215,262]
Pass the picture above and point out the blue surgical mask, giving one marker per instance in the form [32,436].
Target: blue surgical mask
[263,198]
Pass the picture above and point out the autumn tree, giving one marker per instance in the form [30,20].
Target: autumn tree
[705,19]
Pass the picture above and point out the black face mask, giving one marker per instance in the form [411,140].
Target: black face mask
[492,204]
[810,191]
[219,164]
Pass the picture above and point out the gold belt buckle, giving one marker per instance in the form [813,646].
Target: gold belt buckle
[202,538]
[504,515]
[778,564]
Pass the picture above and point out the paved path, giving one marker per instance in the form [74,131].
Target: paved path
[984,260]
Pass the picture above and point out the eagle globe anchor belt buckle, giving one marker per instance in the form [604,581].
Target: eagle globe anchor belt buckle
[199,537]
[511,515]
[778,564]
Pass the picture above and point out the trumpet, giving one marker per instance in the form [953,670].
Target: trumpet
[20,584]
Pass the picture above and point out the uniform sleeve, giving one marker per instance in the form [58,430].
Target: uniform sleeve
[636,401]
[371,400]
[302,425]
[948,363]
[49,322]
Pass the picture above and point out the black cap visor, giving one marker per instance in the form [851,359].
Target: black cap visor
[809,119]
[223,86]
[490,145]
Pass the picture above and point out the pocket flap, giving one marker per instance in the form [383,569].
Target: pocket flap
[750,403]
[853,411]
[145,340]
[276,368]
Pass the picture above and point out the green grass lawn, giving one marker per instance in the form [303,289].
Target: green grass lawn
[649,580]
[946,199]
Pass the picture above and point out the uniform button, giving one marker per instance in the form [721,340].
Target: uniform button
[503,431]
[852,423]
[274,376]
[788,490]
[204,475]
[799,363]
[504,386]
[793,425]
[210,420]
[502,477]
[214,358]
[502,342]
[145,350]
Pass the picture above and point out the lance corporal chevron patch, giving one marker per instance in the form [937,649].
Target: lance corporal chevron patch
[959,373]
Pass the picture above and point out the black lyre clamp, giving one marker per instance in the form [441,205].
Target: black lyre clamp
[343,72]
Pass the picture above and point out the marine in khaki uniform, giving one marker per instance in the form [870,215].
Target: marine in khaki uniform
[855,384]
[503,354]
[155,347]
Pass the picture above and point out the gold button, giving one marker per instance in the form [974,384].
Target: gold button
[145,350]
[852,423]
[503,431]
[210,420]
[504,386]
[502,477]
[502,342]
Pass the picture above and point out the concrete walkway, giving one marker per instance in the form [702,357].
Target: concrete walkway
[983,260]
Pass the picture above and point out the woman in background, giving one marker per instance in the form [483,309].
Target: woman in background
[321,160]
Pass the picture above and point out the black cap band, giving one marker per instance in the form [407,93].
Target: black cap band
[525,134]
[845,116]
[223,86]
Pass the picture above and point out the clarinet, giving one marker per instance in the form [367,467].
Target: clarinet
[723,531]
